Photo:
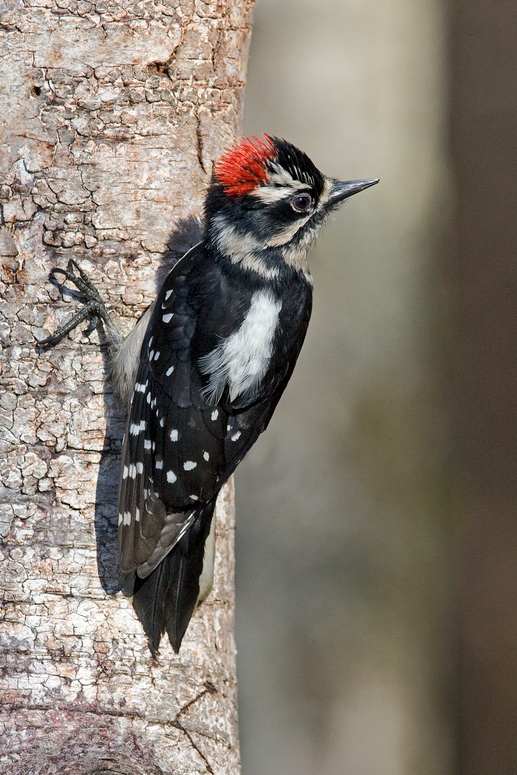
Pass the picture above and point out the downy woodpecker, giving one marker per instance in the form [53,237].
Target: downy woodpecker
[203,370]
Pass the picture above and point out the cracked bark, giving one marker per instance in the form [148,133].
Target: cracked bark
[112,114]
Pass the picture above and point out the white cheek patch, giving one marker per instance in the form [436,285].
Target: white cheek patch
[231,242]
[241,360]
[243,249]
[288,233]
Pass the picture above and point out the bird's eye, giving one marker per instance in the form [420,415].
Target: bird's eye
[301,202]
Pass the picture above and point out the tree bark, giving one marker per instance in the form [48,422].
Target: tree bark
[112,114]
[483,369]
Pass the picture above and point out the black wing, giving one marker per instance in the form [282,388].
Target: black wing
[173,451]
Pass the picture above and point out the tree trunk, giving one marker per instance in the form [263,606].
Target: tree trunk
[112,115]
[483,367]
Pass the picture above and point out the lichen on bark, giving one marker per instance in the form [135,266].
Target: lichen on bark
[112,115]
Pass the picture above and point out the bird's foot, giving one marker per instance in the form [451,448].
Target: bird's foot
[85,291]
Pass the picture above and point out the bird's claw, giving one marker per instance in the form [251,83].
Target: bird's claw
[86,292]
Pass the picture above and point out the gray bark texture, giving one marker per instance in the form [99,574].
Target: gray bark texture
[112,113]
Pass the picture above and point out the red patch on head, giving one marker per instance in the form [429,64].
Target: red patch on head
[243,167]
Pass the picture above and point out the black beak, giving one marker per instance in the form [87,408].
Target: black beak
[342,190]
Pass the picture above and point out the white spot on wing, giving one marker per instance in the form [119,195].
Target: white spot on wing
[215,414]
[236,436]
[147,444]
[173,435]
[171,477]
[167,318]
[206,455]
[188,465]
[159,464]
[168,294]
[169,371]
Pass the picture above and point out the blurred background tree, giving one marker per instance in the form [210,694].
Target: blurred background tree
[376,535]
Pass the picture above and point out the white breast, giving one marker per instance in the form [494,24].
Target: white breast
[240,361]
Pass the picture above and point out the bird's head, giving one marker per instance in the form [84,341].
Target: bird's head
[267,201]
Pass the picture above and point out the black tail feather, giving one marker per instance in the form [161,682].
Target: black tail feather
[149,596]
[166,599]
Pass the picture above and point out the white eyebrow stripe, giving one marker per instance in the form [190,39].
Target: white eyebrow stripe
[269,193]
[282,177]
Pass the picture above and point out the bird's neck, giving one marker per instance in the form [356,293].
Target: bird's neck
[272,263]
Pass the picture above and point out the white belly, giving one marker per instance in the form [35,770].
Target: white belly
[241,360]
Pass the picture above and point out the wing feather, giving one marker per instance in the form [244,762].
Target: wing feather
[173,452]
